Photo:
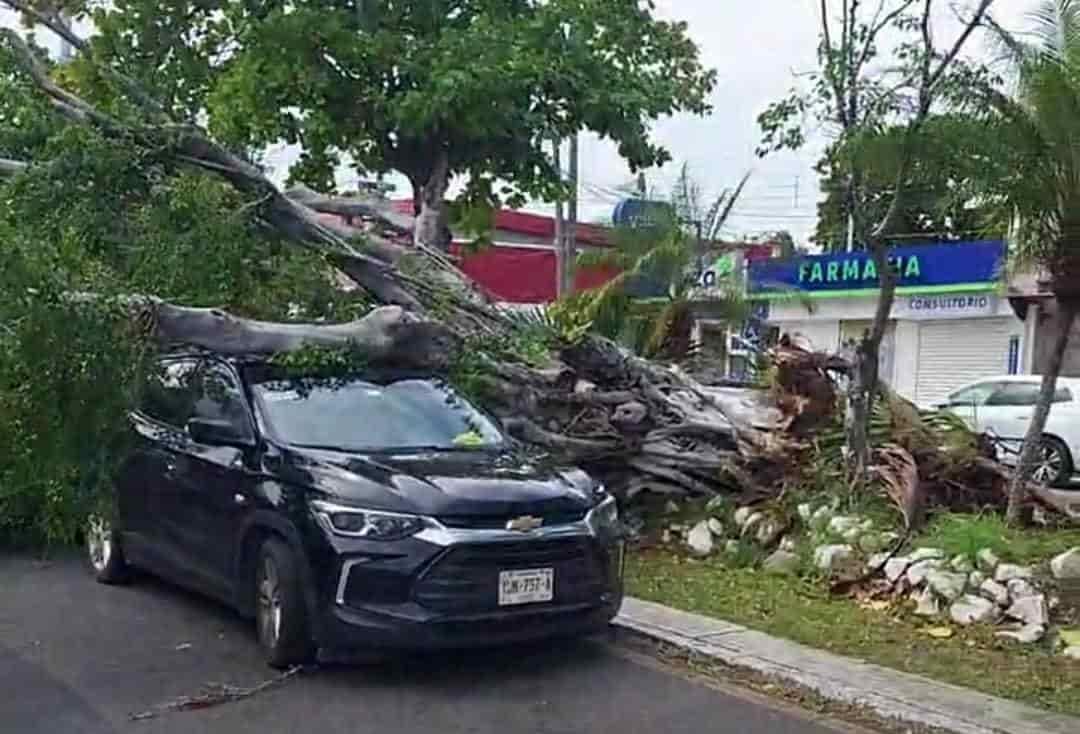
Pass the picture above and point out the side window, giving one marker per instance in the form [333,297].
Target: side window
[220,398]
[171,393]
[1015,394]
[1063,395]
[974,395]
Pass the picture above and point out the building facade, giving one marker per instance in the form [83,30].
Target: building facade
[950,322]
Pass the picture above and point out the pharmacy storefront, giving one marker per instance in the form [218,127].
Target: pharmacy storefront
[948,324]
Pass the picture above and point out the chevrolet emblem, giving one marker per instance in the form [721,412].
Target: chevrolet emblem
[524,524]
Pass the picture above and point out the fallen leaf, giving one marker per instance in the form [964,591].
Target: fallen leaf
[940,633]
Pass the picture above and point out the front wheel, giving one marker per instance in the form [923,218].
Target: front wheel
[1053,465]
[103,551]
[281,617]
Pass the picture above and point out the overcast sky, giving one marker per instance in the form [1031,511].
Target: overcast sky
[756,46]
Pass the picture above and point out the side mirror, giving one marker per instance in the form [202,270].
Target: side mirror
[217,433]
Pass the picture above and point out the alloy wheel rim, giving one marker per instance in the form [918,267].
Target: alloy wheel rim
[99,542]
[269,602]
[1049,465]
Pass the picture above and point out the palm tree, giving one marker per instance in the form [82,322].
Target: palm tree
[1041,201]
[646,306]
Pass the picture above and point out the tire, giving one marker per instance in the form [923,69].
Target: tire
[103,551]
[1053,465]
[281,617]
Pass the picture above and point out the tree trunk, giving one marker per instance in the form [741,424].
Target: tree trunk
[427,231]
[1067,310]
[862,387]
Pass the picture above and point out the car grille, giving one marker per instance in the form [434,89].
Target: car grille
[498,522]
[465,580]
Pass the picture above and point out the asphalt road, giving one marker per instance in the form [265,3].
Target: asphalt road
[77,657]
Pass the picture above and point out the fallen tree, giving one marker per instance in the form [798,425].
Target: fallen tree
[638,425]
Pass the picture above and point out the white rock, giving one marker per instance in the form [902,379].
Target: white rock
[1030,610]
[995,592]
[1020,588]
[1028,634]
[1008,571]
[877,560]
[716,527]
[971,610]
[917,572]
[876,542]
[821,517]
[732,547]
[665,537]
[742,514]
[1072,652]
[962,564]
[788,544]
[835,558]
[925,554]
[949,586]
[845,523]
[781,562]
[806,511]
[986,560]
[976,579]
[852,535]
[584,387]
[716,504]
[1067,565]
[926,604]
[700,539]
[896,567]
[768,531]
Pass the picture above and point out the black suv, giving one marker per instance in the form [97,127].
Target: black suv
[368,512]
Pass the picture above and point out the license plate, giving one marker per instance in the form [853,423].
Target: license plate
[526,586]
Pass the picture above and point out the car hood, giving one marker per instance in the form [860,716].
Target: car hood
[440,483]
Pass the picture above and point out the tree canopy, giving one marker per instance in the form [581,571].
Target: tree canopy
[388,85]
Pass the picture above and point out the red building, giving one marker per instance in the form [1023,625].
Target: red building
[520,266]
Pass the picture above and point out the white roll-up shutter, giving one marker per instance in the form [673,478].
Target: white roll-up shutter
[955,352]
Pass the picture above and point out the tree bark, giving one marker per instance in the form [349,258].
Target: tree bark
[1067,310]
[427,232]
[388,334]
[862,387]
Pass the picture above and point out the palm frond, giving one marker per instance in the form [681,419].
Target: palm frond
[721,209]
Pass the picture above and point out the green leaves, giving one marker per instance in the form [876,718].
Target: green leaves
[387,84]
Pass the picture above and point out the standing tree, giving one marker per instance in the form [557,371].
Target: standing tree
[646,306]
[1041,199]
[850,95]
[427,88]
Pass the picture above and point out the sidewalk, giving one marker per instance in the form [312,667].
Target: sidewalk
[888,693]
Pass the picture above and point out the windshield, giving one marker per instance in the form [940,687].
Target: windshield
[357,415]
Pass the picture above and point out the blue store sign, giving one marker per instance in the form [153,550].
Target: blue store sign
[958,266]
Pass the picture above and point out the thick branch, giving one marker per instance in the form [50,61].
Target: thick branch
[950,56]
[9,167]
[356,205]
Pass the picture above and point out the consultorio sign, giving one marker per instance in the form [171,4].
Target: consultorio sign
[955,305]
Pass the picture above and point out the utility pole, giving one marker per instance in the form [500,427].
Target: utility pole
[568,251]
[559,237]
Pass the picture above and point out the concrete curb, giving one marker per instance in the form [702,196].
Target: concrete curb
[888,693]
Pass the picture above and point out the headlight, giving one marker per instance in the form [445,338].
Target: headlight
[604,517]
[355,522]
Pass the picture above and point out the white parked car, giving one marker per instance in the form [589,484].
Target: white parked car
[1003,407]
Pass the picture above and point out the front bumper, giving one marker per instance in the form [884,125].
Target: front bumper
[440,590]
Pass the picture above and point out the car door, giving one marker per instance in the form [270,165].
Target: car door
[212,486]
[969,403]
[144,478]
[1009,410]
